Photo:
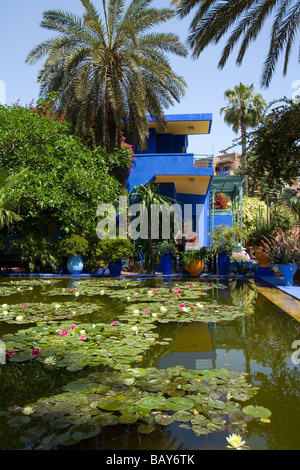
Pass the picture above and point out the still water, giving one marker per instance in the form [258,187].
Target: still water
[260,343]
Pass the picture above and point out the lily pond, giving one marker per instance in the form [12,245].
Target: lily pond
[145,364]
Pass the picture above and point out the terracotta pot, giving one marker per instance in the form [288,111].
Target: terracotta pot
[263,259]
[195,267]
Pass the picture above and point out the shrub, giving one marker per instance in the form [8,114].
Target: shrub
[111,251]
[74,245]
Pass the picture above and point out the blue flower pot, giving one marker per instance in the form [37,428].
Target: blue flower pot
[115,269]
[75,264]
[223,263]
[166,263]
[288,271]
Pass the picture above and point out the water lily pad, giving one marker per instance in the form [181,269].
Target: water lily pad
[257,411]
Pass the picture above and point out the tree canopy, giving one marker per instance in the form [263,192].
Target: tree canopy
[110,70]
[64,182]
[275,145]
[240,22]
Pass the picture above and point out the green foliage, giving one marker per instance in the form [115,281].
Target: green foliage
[275,145]
[74,245]
[65,181]
[148,196]
[114,250]
[166,246]
[38,250]
[241,267]
[240,23]
[253,210]
[261,219]
[195,255]
[281,249]
[224,238]
[110,70]
[8,200]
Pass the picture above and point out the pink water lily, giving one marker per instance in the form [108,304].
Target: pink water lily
[35,352]
[10,353]
[24,305]
[147,310]
[157,290]
[73,290]
[72,327]
[64,333]
[82,338]
[181,306]
[114,323]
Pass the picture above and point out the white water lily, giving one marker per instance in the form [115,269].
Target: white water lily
[28,410]
[135,329]
[19,318]
[128,299]
[129,381]
[200,305]
[57,306]
[102,292]
[5,313]
[136,311]
[50,361]
[4,305]
[163,309]
[184,309]
[154,315]
[235,441]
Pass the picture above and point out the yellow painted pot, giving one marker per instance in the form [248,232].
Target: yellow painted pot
[263,259]
[195,267]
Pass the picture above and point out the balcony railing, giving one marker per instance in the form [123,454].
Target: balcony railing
[203,161]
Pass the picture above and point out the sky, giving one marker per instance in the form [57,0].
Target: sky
[206,84]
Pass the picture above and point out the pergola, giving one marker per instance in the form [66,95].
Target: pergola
[232,186]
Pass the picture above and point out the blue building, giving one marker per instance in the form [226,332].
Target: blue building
[183,176]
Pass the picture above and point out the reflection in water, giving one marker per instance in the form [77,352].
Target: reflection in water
[259,343]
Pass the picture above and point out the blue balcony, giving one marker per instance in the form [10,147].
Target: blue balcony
[191,173]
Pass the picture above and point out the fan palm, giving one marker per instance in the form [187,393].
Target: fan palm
[243,20]
[110,70]
[245,109]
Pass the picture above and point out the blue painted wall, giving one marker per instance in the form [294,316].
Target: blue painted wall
[166,154]
[146,166]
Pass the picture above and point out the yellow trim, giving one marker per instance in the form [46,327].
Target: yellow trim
[183,127]
[186,184]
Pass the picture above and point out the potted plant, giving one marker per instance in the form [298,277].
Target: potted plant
[167,250]
[283,252]
[112,251]
[223,244]
[194,261]
[75,247]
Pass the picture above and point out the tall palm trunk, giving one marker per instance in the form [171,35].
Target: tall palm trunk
[244,155]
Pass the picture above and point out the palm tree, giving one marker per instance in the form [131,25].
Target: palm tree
[245,109]
[148,196]
[243,20]
[8,201]
[110,70]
